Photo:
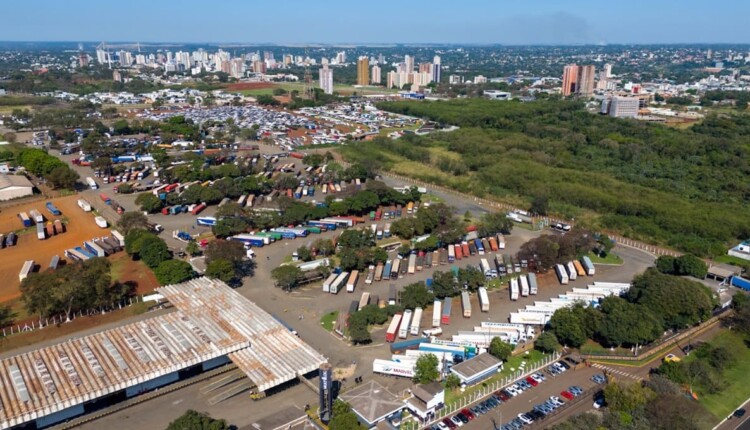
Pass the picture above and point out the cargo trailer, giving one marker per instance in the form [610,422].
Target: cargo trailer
[394,268]
[416,322]
[339,283]
[364,301]
[572,273]
[53,209]
[579,268]
[370,275]
[466,304]
[484,299]
[445,317]
[94,249]
[524,285]
[36,216]
[437,307]
[403,329]
[588,265]
[26,270]
[50,229]
[451,254]
[493,244]
[378,272]
[533,288]
[40,234]
[54,262]
[480,247]
[327,283]
[77,255]
[412,267]
[428,260]
[562,274]
[100,221]
[392,294]
[390,334]
[25,219]
[514,289]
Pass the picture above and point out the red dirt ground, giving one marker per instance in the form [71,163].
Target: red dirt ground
[124,269]
[239,86]
[79,228]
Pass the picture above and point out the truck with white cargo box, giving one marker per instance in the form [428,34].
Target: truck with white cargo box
[339,282]
[572,272]
[327,283]
[352,281]
[91,183]
[524,285]
[588,265]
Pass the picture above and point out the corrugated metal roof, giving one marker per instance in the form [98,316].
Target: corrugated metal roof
[47,380]
[275,355]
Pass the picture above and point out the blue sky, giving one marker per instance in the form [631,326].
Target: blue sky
[379,21]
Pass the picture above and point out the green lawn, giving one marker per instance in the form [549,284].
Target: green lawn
[257,92]
[736,378]
[611,258]
[329,320]
[728,259]
[513,363]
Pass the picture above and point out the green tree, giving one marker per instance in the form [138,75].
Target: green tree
[62,177]
[343,418]
[471,278]
[192,420]
[173,272]
[567,326]
[691,265]
[192,248]
[627,324]
[287,277]
[229,250]
[149,203]
[499,349]
[304,253]
[416,296]
[153,251]
[221,269]
[426,369]
[324,247]
[229,226]
[133,240]
[132,220]
[452,381]
[539,205]
[444,285]
[547,342]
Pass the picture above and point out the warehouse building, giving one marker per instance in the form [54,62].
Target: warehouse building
[213,325]
[14,186]
[477,369]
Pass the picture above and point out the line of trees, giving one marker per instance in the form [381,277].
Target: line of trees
[656,302]
[56,172]
[154,252]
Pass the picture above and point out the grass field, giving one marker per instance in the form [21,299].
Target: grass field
[299,86]
[728,259]
[329,320]
[736,378]
[611,258]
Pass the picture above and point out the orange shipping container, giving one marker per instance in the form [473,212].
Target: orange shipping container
[493,243]
[458,252]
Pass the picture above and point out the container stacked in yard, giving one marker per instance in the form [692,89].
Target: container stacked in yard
[588,265]
[52,209]
[445,317]
[533,288]
[390,334]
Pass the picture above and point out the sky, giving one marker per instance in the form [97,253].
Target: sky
[511,22]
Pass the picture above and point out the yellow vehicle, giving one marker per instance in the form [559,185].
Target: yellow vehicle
[671,358]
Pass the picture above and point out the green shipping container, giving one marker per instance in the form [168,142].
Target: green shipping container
[372,215]
[315,230]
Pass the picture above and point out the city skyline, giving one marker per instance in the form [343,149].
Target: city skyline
[542,22]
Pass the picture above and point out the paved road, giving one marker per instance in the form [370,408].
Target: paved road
[733,423]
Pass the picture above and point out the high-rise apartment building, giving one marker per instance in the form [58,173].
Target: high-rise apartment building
[569,80]
[586,77]
[363,71]
[621,107]
[409,63]
[376,75]
[436,69]
[608,70]
[326,79]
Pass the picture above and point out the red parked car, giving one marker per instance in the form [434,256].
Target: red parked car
[469,414]
[449,423]
[503,396]
[531,381]
[567,394]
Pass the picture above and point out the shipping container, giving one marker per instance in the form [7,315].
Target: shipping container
[533,288]
[416,322]
[484,299]
[588,265]
[466,304]
[445,317]
[403,329]
[437,307]
[390,334]
[562,274]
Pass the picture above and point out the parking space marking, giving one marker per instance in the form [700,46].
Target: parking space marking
[617,372]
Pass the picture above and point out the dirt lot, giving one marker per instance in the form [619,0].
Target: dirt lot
[125,270]
[79,226]
[249,86]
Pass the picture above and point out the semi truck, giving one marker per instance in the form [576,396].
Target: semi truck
[436,312]
[392,294]
[85,205]
[445,317]
[92,183]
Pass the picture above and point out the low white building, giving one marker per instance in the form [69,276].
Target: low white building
[425,400]
[14,186]
[497,95]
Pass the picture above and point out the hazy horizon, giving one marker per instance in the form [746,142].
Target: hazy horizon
[337,22]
